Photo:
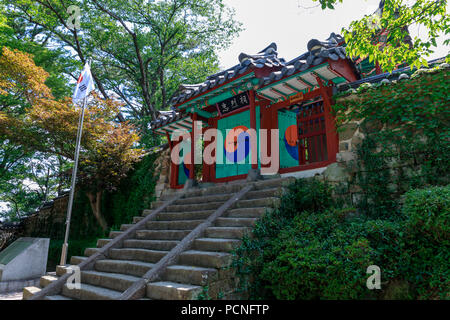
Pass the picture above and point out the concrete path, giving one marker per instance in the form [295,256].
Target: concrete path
[11,296]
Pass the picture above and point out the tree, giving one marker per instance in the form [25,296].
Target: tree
[384,37]
[141,50]
[49,126]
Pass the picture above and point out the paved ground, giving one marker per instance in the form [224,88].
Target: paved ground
[11,296]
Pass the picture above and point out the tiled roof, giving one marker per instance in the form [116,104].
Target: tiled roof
[385,78]
[317,53]
[166,117]
[265,58]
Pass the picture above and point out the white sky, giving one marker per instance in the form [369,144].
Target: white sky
[290,26]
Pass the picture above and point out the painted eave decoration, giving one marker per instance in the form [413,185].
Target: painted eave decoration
[300,74]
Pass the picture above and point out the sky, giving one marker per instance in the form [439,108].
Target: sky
[291,26]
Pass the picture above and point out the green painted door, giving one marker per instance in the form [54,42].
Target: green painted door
[287,124]
[183,169]
[235,159]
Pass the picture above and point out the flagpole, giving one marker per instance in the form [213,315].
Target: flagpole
[73,182]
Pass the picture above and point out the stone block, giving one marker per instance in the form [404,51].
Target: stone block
[347,131]
[25,258]
[343,146]
[345,156]
[336,173]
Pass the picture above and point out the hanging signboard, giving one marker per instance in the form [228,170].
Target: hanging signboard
[239,101]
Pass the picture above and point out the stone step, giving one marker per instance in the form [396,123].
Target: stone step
[46,280]
[235,222]
[62,270]
[190,275]
[137,254]
[77,260]
[90,292]
[28,292]
[137,219]
[166,290]
[206,259]
[167,225]
[191,215]
[57,297]
[264,193]
[162,245]
[216,244]
[102,242]
[226,232]
[263,202]
[203,199]
[113,281]
[194,207]
[273,183]
[174,225]
[161,234]
[91,251]
[216,190]
[129,267]
[222,197]
[114,234]
[246,212]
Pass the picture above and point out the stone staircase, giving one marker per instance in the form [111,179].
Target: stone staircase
[204,265]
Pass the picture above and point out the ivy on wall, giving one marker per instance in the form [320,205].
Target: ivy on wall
[407,137]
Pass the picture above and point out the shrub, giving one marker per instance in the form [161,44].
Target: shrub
[427,241]
[311,249]
[428,213]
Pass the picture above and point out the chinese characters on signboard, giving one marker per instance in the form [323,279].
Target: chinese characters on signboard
[234,103]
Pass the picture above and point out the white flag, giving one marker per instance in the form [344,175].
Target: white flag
[85,84]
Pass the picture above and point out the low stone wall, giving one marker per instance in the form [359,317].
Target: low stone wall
[343,174]
[162,170]
[47,220]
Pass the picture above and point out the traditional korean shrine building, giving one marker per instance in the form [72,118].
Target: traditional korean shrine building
[264,91]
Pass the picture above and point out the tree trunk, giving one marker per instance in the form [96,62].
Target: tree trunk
[95,199]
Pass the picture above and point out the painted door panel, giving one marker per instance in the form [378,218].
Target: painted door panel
[237,155]
[288,138]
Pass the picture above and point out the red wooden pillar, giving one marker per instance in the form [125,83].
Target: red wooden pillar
[330,125]
[253,123]
[205,168]
[193,138]
[173,167]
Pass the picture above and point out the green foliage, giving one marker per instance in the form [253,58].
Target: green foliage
[324,253]
[140,50]
[134,194]
[204,295]
[253,255]
[384,36]
[428,213]
[76,248]
[413,148]
[427,241]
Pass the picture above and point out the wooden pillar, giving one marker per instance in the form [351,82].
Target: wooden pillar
[192,165]
[205,167]
[253,124]
[173,167]
[330,125]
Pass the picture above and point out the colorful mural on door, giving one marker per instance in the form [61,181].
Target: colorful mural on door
[287,122]
[237,144]
[233,151]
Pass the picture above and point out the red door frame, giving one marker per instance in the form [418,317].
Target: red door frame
[330,127]
[269,121]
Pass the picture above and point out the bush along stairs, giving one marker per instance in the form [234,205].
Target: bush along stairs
[177,250]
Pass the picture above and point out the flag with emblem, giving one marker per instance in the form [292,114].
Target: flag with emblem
[85,84]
